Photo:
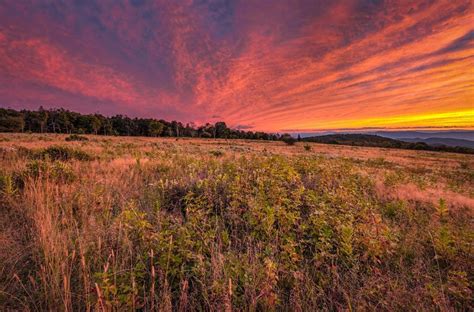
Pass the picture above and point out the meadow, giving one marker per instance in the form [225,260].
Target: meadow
[180,224]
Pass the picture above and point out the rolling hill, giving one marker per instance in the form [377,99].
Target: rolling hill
[441,141]
[370,140]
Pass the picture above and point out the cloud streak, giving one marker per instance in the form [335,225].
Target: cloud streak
[270,64]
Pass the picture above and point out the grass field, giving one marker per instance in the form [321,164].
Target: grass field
[121,223]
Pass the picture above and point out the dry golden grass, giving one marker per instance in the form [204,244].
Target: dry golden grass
[124,223]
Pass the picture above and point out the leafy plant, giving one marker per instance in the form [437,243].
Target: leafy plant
[217,153]
[157,224]
[62,153]
[7,185]
[76,137]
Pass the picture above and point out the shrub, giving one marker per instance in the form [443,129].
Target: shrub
[75,137]
[307,148]
[217,153]
[379,162]
[256,231]
[56,170]
[394,210]
[62,153]
[288,139]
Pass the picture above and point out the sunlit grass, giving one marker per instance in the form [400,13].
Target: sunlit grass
[119,223]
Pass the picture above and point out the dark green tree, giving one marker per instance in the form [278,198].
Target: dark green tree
[155,128]
[221,130]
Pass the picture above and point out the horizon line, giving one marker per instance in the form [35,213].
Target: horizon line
[251,128]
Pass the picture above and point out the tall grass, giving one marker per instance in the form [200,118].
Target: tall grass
[173,226]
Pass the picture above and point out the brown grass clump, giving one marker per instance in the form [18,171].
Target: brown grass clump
[158,224]
[411,192]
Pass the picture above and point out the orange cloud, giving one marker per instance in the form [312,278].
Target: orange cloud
[271,65]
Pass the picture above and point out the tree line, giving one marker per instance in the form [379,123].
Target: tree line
[65,121]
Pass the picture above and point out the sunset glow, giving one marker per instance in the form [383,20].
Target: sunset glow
[257,65]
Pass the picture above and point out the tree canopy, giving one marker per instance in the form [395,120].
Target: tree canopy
[64,121]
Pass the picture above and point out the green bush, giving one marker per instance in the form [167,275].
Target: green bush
[76,137]
[56,170]
[62,153]
[251,231]
[217,153]
[288,139]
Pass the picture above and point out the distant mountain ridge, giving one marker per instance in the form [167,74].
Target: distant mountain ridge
[403,134]
[435,141]
[408,134]
[371,140]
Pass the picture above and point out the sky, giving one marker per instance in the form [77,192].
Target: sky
[266,65]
